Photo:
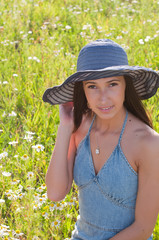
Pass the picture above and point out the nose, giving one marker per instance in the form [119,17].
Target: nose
[103,96]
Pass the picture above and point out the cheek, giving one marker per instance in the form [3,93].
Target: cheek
[88,94]
[121,95]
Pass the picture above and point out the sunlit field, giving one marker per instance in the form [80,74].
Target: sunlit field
[39,45]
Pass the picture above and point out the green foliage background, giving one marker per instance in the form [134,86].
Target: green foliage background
[39,45]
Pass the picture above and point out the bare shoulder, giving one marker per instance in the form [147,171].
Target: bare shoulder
[83,129]
[141,142]
[150,148]
[147,143]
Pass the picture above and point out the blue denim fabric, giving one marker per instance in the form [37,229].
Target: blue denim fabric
[107,199]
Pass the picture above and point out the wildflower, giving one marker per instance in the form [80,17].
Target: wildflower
[20,187]
[30,32]
[30,133]
[83,34]
[30,175]
[19,209]
[36,59]
[35,206]
[46,207]
[42,200]
[15,75]
[12,114]
[40,189]
[63,204]
[68,27]
[17,233]
[13,143]
[8,192]
[147,38]
[38,147]
[25,157]
[24,36]
[86,27]
[3,155]
[15,181]
[43,185]
[44,196]
[29,187]
[71,202]
[52,206]
[4,114]
[4,230]
[28,138]
[45,215]
[12,196]
[21,195]
[6,174]
[2,200]
[5,82]
[43,27]
[119,37]
[55,223]
[36,195]
[58,206]
[4,60]
[99,27]
[141,41]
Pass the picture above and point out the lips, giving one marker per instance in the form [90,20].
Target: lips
[105,108]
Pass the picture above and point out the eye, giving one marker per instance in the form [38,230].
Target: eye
[113,84]
[92,86]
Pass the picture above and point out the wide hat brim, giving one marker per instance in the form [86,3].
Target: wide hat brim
[145,80]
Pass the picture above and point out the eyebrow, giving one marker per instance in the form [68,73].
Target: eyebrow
[94,81]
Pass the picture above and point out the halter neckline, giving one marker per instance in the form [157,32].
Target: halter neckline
[122,131]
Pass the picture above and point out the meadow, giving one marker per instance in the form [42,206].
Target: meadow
[39,45]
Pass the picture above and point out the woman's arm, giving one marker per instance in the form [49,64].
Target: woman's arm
[147,204]
[59,176]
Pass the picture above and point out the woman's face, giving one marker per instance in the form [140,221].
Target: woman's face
[105,96]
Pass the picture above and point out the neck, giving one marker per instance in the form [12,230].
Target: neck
[112,125]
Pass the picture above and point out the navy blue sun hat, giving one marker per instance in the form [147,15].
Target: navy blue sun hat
[100,59]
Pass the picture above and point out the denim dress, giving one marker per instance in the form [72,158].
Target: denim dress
[107,199]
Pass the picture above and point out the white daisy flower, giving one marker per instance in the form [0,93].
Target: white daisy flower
[3,155]
[13,143]
[28,138]
[38,147]
[30,175]
[6,174]
[25,157]
[56,223]
[12,114]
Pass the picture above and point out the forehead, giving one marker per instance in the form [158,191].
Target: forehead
[109,79]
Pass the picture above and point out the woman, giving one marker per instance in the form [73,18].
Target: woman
[106,144]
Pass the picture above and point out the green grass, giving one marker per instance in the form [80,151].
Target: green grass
[39,45]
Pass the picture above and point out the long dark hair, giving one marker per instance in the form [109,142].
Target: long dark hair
[132,103]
